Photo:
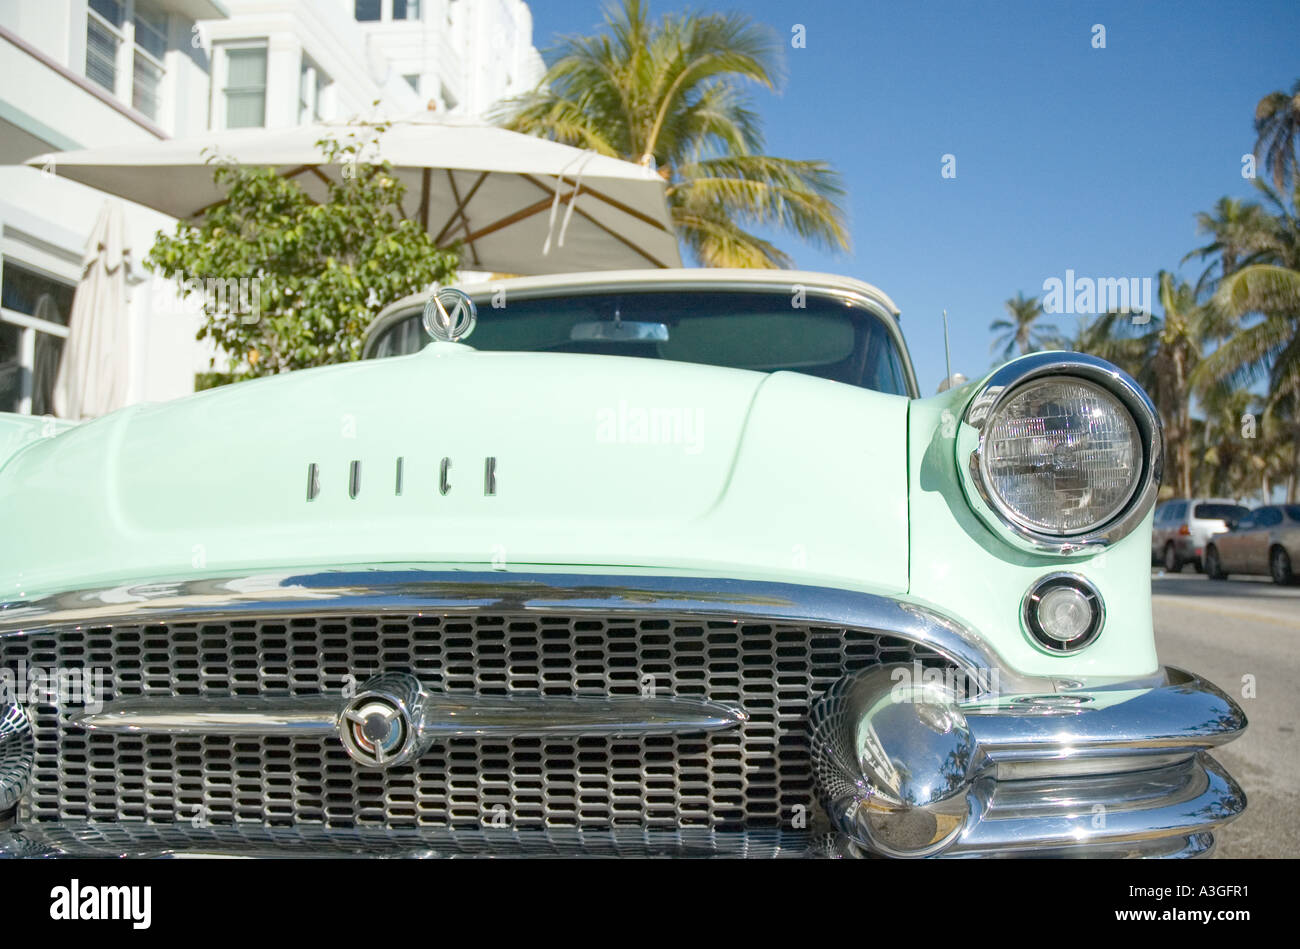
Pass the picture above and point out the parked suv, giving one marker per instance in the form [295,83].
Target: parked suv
[1183,526]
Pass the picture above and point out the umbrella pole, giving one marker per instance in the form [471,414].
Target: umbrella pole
[424,198]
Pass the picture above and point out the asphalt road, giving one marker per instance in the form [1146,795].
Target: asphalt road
[1224,631]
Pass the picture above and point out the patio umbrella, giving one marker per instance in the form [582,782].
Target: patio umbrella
[92,375]
[520,204]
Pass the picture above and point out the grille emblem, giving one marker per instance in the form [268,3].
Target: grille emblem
[375,733]
[379,726]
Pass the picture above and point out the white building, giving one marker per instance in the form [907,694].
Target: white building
[87,73]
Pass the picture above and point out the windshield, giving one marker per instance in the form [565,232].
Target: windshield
[1221,512]
[767,332]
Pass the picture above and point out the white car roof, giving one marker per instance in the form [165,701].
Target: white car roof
[659,280]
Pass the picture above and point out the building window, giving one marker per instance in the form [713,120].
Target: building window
[126,41]
[406,9]
[368,11]
[245,88]
[312,83]
[150,48]
[34,311]
[104,22]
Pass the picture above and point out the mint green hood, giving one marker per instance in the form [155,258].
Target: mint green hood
[599,461]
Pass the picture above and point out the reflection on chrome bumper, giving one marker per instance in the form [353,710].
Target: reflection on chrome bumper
[909,769]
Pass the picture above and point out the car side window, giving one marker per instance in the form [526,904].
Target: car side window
[1268,517]
[1246,523]
[1179,512]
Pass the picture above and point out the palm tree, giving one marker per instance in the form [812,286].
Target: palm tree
[1222,453]
[1019,334]
[1162,355]
[1114,336]
[1261,300]
[670,95]
[1176,344]
[1235,226]
[1277,122]
[1273,238]
[1269,348]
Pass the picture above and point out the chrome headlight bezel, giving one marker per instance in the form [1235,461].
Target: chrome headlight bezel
[1003,385]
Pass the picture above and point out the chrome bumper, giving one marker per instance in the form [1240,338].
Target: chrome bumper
[902,770]
[904,766]
[907,768]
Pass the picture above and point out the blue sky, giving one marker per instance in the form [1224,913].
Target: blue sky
[1067,157]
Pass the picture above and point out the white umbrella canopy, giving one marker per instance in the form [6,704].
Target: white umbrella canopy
[508,197]
[92,377]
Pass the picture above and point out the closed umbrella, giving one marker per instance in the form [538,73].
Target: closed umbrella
[92,378]
[519,204]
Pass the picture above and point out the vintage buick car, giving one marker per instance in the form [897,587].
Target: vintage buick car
[627,563]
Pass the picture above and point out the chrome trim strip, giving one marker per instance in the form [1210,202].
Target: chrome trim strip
[123,839]
[97,839]
[251,715]
[1002,385]
[1190,798]
[1184,716]
[440,716]
[449,716]
[394,588]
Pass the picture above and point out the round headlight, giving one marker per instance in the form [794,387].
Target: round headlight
[1061,456]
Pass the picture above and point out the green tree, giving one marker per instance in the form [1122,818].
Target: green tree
[1115,337]
[1176,343]
[1266,350]
[1222,453]
[1022,332]
[1277,123]
[671,95]
[311,276]
[1263,300]
[1237,227]
[1162,354]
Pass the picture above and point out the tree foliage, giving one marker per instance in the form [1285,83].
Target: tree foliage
[1277,124]
[671,95]
[1024,329]
[299,281]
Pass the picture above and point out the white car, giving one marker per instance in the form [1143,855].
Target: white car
[1183,526]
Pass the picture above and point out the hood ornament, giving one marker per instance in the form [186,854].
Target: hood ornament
[450,315]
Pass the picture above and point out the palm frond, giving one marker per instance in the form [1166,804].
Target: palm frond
[673,92]
[788,193]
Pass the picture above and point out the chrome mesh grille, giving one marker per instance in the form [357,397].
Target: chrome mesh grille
[751,777]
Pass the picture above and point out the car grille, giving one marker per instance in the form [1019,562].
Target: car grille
[754,776]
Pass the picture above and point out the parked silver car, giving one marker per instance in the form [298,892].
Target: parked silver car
[1183,526]
[1266,540]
